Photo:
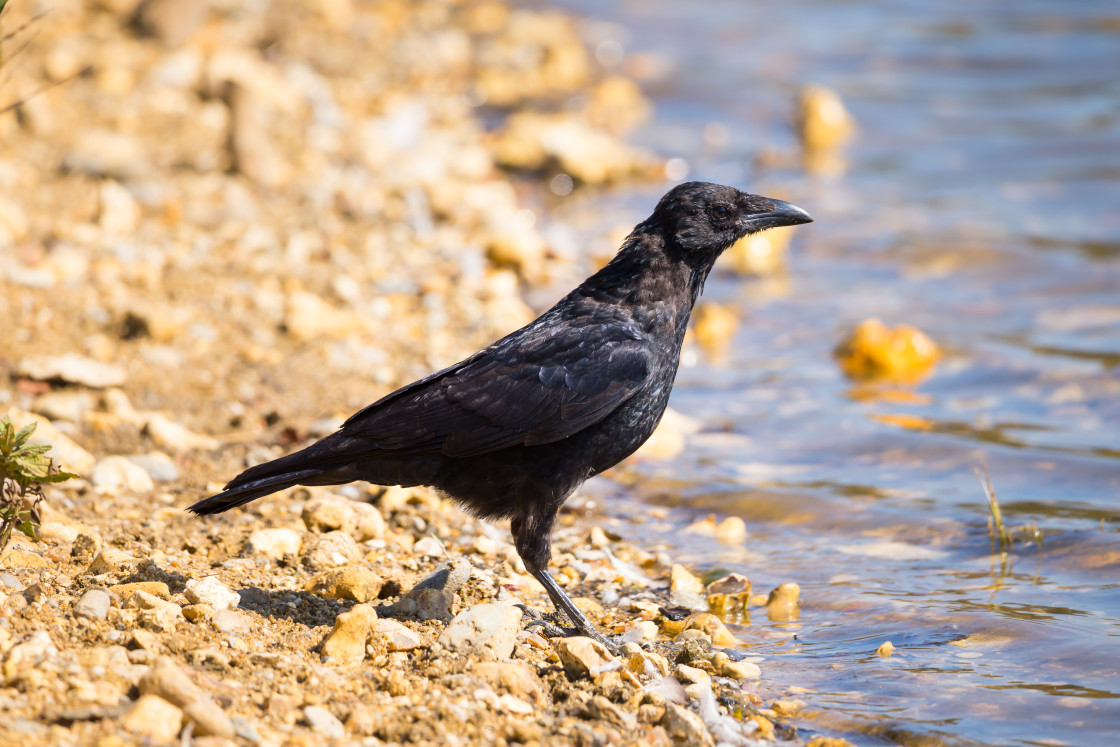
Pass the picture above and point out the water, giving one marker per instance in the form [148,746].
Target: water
[980,204]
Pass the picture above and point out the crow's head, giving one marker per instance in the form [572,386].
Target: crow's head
[704,219]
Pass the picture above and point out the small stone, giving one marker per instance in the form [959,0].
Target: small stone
[397,636]
[782,604]
[332,550]
[646,630]
[33,652]
[692,675]
[875,351]
[356,584]
[328,514]
[739,670]
[370,525]
[111,560]
[155,614]
[159,466]
[346,643]
[488,631]
[822,741]
[93,605]
[684,725]
[513,677]
[886,648]
[787,707]
[274,543]
[119,474]
[175,436]
[153,717]
[15,558]
[711,626]
[173,22]
[198,612]
[63,405]
[212,592]
[685,589]
[429,546]
[169,682]
[119,212]
[72,368]
[232,622]
[581,656]
[730,584]
[323,722]
[732,530]
[155,588]
[142,639]
[821,119]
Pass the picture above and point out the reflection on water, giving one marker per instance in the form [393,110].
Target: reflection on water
[977,203]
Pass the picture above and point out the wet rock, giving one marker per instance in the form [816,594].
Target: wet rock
[711,626]
[691,675]
[713,326]
[739,670]
[154,718]
[684,725]
[159,466]
[155,614]
[111,560]
[356,584]
[874,351]
[72,368]
[346,643]
[488,631]
[822,741]
[733,583]
[210,591]
[332,550]
[171,683]
[822,120]
[175,436]
[323,722]
[63,405]
[396,636]
[646,630]
[93,605]
[118,473]
[782,603]
[732,530]
[274,543]
[760,254]
[886,648]
[582,656]
[685,589]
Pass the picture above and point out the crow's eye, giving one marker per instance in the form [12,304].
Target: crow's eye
[720,212]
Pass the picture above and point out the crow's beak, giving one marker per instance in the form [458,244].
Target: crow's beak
[783,214]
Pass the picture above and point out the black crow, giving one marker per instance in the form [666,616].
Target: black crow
[513,430]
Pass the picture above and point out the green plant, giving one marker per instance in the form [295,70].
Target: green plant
[24,469]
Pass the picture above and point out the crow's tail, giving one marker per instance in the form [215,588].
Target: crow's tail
[321,463]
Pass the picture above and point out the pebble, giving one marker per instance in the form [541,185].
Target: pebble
[155,614]
[488,631]
[685,589]
[117,473]
[212,592]
[176,436]
[198,612]
[581,656]
[155,588]
[274,543]
[645,630]
[159,466]
[429,546]
[63,405]
[739,670]
[332,550]
[346,643]
[872,351]
[154,718]
[72,369]
[232,621]
[111,560]
[171,683]
[328,514]
[93,605]
[516,678]
[782,603]
[37,649]
[686,726]
[356,584]
[323,722]
[886,648]
[397,636]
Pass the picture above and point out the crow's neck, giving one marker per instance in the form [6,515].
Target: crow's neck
[651,280]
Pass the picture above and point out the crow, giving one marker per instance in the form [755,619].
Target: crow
[513,430]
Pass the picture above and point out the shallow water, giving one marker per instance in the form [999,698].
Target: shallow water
[980,203]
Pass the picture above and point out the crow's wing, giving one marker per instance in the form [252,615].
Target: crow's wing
[534,388]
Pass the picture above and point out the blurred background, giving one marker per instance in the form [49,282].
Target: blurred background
[231,224]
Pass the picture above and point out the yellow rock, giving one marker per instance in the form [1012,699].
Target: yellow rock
[822,119]
[22,559]
[886,648]
[711,626]
[356,584]
[829,742]
[782,604]
[155,588]
[680,579]
[153,717]
[874,351]
[617,104]
[346,643]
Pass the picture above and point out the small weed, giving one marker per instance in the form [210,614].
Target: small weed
[996,528]
[24,469]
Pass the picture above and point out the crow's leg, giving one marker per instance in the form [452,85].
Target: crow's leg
[531,537]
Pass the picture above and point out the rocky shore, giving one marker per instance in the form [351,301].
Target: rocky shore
[224,228]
